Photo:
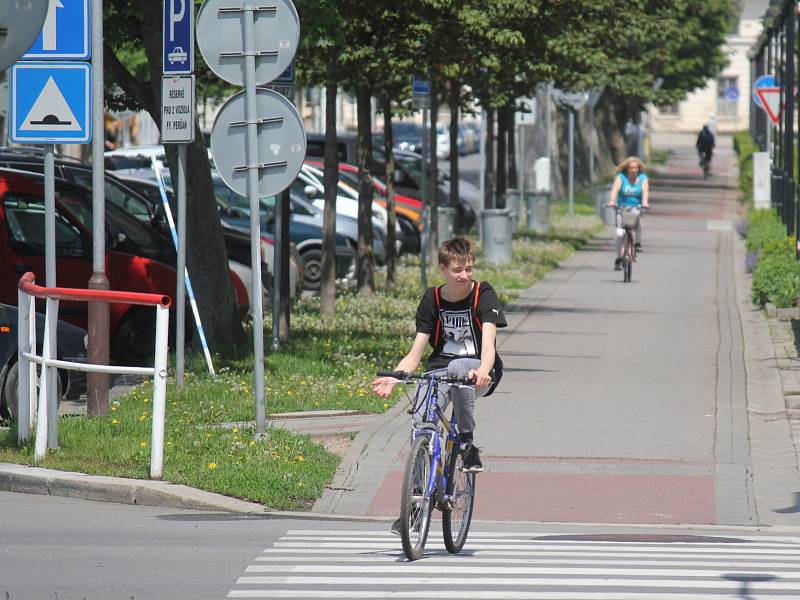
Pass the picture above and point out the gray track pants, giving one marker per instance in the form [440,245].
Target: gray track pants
[462,396]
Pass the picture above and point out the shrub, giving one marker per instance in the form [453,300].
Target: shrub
[744,146]
[764,226]
[776,279]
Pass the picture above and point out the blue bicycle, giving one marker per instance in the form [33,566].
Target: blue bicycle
[433,475]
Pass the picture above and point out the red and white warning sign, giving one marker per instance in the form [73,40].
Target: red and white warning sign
[771,102]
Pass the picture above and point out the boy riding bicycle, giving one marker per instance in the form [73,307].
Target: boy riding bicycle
[459,320]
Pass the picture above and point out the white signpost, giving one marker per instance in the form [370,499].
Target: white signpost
[573,102]
[253,45]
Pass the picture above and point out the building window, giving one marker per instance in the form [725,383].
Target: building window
[727,96]
[669,110]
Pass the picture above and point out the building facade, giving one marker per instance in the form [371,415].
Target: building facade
[727,96]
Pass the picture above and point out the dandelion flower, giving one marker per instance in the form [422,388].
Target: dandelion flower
[251,443]
[212,466]
[114,422]
[300,458]
[235,430]
[142,444]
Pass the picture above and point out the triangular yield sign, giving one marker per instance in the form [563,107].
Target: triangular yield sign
[771,101]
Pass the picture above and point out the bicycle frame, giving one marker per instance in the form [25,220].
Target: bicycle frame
[434,418]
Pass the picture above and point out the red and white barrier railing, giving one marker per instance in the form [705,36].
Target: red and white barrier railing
[46,406]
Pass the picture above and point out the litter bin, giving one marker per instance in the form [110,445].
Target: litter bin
[513,204]
[446,223]
[537,211]
[496,235]
[602,195]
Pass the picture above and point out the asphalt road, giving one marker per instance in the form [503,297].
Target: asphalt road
[67,549]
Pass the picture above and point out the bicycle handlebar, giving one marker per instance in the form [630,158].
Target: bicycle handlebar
[411,377]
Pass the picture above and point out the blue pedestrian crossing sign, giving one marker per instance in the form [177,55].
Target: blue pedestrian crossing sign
[50,103]
[65,34]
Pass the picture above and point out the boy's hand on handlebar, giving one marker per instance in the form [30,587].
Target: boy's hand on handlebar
[482,378]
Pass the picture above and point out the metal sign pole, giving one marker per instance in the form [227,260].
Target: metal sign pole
[591,152]
[97,383]
[282,201]
[426,204]
[571,174]
[251,136]
[50,279]
[180,292]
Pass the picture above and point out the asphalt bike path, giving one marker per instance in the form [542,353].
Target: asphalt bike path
[624,403]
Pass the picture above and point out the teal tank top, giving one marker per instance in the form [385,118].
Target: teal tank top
[630,194]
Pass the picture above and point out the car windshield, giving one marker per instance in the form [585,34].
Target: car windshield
[406,129]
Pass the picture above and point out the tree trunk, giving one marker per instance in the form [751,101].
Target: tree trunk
[206,258]
[327,305]
[502,156]
[365,259]
[433,180]
[455,103]
[388,158]
[488,172]
[513,180]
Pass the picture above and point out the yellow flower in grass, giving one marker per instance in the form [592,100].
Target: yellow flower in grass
[114,422]
[113,409]
[208,435]
[146,400]
[142,444]
[235,430]
[251,443]
[212,466]
[300,458]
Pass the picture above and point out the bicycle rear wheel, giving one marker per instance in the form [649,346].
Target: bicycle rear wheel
[415,510]
[461,492]
[627,258]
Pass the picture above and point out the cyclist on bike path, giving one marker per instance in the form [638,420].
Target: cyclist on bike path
[631,188]
[459,320]
[705,144]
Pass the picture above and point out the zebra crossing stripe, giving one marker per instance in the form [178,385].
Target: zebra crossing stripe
[607,562]
[405,569]
[482,595]
[687,549]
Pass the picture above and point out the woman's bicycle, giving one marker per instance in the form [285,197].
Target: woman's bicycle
[433,475]
[629,221]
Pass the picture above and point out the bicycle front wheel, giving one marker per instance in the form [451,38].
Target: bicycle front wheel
[627,258]
[415,510]
[457,516]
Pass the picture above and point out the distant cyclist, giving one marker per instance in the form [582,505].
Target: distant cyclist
[631,188]
[705,146]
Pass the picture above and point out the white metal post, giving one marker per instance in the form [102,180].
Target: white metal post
[51,373]
[32,372]
[159,393]
[23,369]
[42,410]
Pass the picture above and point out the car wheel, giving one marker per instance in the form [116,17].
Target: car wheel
[9,399]
[312,268]
[134,341]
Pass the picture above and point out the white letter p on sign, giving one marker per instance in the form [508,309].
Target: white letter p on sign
[175,17]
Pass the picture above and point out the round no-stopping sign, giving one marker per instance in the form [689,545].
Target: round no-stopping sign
[20,25]
[281,143]
[220,37]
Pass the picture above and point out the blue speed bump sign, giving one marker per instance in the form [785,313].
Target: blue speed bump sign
[50,103]
[65,34]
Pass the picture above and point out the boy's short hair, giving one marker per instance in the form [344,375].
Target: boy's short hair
[457,248]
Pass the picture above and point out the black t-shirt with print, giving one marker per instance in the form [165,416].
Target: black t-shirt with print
[460,336]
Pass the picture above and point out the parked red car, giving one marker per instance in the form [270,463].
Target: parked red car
[138,258]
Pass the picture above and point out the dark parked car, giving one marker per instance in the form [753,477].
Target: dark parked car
[138,258]
[71,346]
[408,176]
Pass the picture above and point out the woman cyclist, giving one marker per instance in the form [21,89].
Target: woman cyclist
[631,189]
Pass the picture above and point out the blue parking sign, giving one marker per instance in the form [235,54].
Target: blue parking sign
[65,34]
[178,29]
[51,103]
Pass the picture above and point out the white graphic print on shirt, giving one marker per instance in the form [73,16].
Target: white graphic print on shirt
[458,336]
